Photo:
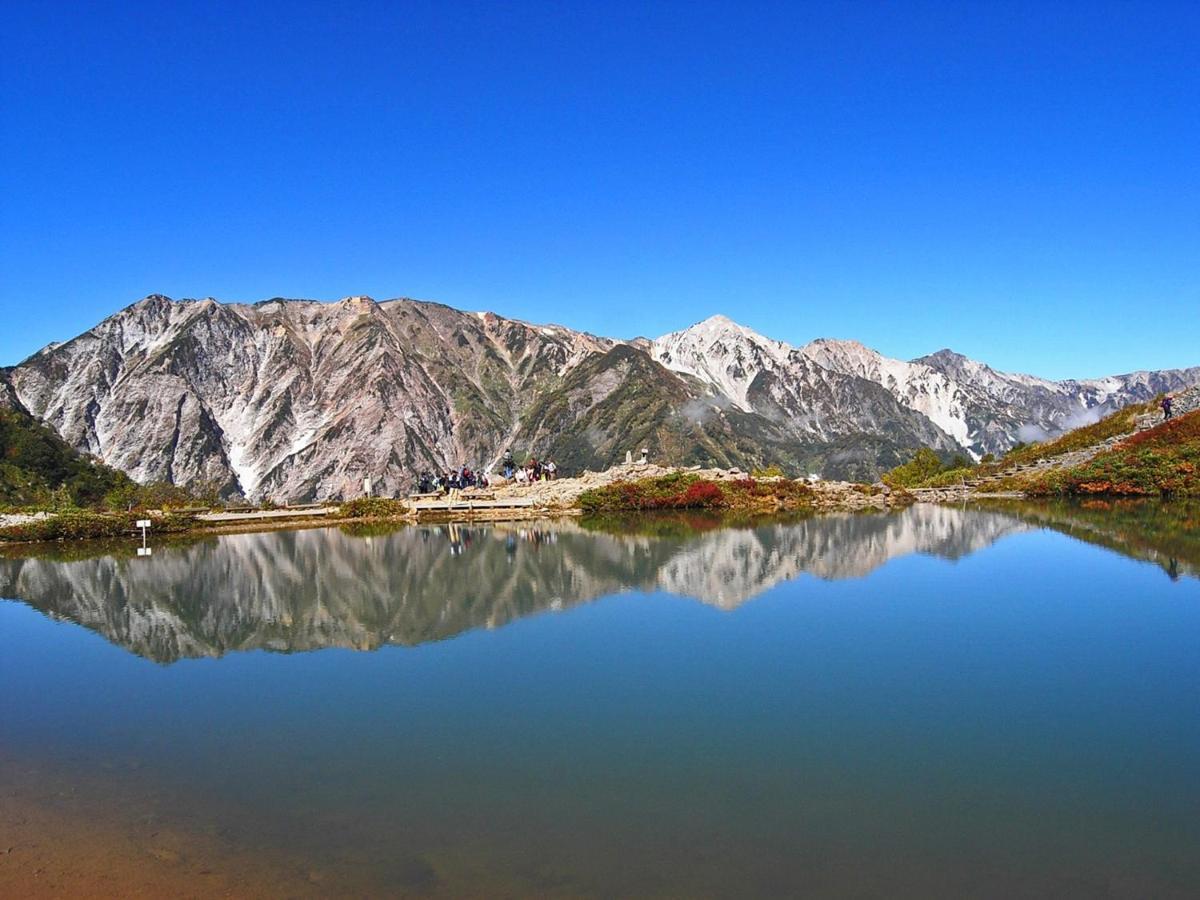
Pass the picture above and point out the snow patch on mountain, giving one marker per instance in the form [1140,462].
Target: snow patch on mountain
[722,353]
[917,386]
[730,357]
[981,409]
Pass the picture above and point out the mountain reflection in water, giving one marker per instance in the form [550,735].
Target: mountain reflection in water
[303,590]
[978,702]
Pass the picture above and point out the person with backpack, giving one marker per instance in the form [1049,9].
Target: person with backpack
[1166,407]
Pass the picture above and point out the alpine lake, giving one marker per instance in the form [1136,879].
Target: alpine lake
[981,701]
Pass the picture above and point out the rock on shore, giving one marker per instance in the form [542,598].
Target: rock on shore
[9,519]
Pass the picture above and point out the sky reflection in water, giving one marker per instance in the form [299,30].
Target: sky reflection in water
[942,700]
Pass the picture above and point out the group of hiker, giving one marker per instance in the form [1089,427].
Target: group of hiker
[454,480]
[532,470]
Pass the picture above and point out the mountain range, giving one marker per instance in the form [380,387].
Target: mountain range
[299,399]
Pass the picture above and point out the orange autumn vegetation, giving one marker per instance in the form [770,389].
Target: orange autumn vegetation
[1160,461]
[688,491]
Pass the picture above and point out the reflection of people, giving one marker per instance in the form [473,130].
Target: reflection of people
[1173,568]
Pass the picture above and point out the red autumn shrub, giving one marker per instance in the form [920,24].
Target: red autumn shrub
[701,494]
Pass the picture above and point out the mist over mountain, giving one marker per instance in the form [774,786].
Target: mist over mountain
[299,399]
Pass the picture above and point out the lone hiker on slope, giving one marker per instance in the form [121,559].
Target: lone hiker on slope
[1166,407]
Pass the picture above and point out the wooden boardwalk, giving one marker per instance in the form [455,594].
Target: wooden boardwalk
[468,504]
[266,514]
[472,504]
[463,501]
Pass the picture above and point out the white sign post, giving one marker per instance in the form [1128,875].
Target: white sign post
[143,550]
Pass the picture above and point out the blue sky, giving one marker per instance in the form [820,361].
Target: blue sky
[1017,182]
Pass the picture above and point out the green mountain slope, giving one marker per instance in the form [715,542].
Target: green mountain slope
[39,467]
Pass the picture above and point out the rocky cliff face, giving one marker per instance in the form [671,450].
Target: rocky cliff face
[945,400]
[8,394]
[806,399]
[1004,407]
[1186,402]
[297,400]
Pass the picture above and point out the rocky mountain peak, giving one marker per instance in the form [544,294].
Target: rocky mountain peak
[831,349]
[945,356]
[722,353]
[720,327]
[716,323]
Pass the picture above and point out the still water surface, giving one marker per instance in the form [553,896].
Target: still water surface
[966,702]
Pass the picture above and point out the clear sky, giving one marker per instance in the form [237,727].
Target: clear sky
[1018,182]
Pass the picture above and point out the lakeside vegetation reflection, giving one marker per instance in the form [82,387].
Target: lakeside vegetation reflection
[365,586]
[1166,534]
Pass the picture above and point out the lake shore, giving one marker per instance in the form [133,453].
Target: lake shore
[721,488]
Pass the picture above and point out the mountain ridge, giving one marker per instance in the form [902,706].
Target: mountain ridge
[297,399]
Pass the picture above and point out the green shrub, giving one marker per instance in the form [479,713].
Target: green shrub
[924,465]
[38,468]
[768,472]
[373,508]
[949,478]
[80,525]
[683,490]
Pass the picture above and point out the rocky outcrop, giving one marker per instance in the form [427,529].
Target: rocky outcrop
[8,394]
[1186,402]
